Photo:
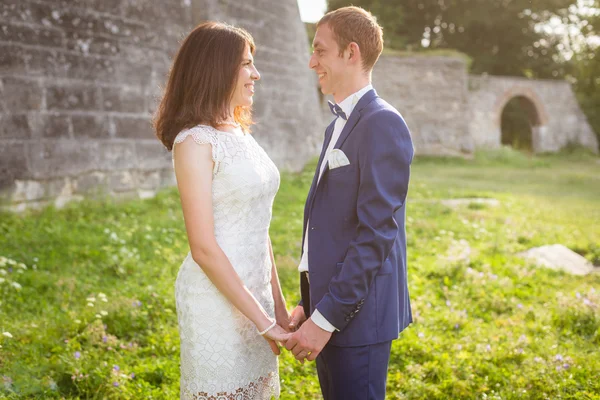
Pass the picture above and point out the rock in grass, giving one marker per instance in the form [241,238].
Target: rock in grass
[557,256]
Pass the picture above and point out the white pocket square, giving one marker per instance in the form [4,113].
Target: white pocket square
[337,159]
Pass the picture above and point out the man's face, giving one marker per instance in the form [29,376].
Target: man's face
[326,61]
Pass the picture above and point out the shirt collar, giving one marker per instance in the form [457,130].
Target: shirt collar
[347,105]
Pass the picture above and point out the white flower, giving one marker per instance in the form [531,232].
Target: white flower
[22,266]
[90,299]
[77,321]
[3,272]
[7,334]
[103,313]
[11,262]
[2,280]
[16,285]
[90,304]
[98,316]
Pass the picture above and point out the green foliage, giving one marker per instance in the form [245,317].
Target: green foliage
[86,292]
[500,36]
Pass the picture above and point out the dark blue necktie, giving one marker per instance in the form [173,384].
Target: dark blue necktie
[337,110]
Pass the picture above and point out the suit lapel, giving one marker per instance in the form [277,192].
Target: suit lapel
[354,117]
[311,192]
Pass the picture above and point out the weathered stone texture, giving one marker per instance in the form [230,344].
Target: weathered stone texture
[431,94]
[79,81]
[557,118]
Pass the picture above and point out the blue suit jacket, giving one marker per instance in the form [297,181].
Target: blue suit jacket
[357,246]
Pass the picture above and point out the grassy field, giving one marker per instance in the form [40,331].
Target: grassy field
[87,307]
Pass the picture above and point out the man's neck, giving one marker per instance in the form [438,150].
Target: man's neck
[350,87]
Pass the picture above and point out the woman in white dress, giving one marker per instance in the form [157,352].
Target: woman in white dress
[230,308]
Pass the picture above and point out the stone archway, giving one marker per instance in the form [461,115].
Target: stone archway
[533,108]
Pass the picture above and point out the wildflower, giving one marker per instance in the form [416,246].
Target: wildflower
[132,375]
[421,334]
[77,321]
[7,334]
[519,305]
[115,384]
[558,357]
[90,304]
[566,366]
[488,347]
[16,285]
[77,355]
[137,303]
[116,368]
[104,339]
[103,313]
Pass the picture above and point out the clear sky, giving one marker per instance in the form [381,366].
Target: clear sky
[311,10]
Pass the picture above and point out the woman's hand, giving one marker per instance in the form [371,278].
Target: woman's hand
[283,318]
[274,335]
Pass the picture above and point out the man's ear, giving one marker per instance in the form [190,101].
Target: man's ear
[353,52]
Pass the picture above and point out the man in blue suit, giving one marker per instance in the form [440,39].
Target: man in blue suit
[353,270]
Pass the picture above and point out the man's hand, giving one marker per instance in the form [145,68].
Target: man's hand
[297,318]
[308,341]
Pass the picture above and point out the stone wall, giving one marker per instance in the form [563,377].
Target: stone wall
[79,81]
[557,118]
[431,94]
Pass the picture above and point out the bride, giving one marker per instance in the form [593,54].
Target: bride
[230,307]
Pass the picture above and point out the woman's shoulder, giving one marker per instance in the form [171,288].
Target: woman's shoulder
[201,134]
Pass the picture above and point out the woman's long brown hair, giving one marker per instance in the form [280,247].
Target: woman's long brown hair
[202,81]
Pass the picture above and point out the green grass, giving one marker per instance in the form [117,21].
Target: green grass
[487,324]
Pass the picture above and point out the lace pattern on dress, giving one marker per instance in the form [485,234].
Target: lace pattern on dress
[202,134]
[263,388]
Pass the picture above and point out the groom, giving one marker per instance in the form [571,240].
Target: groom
[353,269]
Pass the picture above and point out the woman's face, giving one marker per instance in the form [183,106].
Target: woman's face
[244,90]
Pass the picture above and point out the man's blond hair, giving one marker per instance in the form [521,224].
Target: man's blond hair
[354,24]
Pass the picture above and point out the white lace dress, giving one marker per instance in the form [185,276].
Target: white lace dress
[222,355]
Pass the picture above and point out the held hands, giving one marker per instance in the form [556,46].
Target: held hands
[307,340]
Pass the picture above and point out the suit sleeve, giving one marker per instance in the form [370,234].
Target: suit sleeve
[384,160]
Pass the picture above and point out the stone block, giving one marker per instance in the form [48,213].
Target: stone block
[149,180]
[152,155]
[122,181]
[116,155]
[13,164]
[12,60]
[89,183]
[14,126]
[90,126]
[73,98]
[123,100]
[61,158]
[49,125]
[131,127]
[20,95]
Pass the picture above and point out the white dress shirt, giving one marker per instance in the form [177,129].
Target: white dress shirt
[347,105]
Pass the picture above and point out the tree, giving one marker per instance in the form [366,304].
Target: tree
[503,37]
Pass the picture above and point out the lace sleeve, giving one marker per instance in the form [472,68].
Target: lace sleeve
[201,135]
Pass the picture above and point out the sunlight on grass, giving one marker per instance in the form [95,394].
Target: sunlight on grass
[87,307]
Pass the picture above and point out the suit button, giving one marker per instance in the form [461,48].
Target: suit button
[347,319]
[312,228]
